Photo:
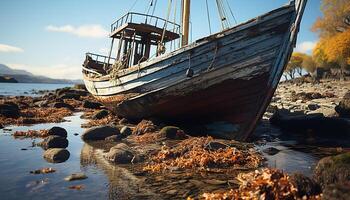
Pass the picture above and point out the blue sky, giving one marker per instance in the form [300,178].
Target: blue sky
[48,37]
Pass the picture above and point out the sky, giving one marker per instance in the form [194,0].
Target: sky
[51,37]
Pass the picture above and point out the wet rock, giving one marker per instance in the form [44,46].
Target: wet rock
[75,134]
[69,95]
[271,151]
[56,155]
[76,176]
[54,142]
[172,132]
[100,114]
[337,191]
[62,105]
[58,131]
[333,170]
[215,182]
[1,126]
[43,171]
[91,105]
[10,110]
[125,131]
[343,109]
[120,154]
[305,185]
[313,106]
[316,123]
[76,187]
[99,133]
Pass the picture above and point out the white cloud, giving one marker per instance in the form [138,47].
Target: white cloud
[59,71]
[9,49]
[305,47]
[92,31]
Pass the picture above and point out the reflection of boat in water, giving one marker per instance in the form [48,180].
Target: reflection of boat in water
[122,183]
[228,76]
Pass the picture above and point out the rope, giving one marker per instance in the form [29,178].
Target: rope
[208,15]
[133,5]
[161,47]
[229,7]
[214,58]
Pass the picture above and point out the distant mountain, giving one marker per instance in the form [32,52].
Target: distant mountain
[22,76]
[7,70]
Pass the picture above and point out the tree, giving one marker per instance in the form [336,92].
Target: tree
[333,48]
[299,62]
[336,17]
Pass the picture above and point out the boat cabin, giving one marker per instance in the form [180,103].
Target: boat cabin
[139,36]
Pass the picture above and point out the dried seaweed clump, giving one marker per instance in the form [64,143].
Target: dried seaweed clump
[193,153]
[38,115]
[143,127]
[148,138]
[99,122]
[32,133]
[261,184]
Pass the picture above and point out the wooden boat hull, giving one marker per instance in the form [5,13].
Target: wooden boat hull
[235,74]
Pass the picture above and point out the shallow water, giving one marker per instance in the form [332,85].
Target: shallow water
[27,89]
[105,181]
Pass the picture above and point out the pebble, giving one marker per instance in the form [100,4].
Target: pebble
[76,176]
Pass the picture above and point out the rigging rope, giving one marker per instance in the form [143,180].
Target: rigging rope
[133,5]
[161,47]
[208,15]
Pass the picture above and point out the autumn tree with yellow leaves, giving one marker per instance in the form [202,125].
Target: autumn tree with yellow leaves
[333,48]
[297,63]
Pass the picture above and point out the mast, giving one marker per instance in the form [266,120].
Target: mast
[185,21]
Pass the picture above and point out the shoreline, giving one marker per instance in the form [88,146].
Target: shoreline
[149,142]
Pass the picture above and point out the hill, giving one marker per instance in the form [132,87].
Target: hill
[23,76]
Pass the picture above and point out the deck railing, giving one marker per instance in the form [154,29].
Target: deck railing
[101,59]
[132,17]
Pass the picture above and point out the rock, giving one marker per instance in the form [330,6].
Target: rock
[337,191]
[56,155]
[215,182]
[91,105]
[214,146]
[123,121]
[74,177]
[126,131]
[317,123]
[10,110]
[69,95]
[54,142]
[58,131]
[313,106]
[113,138]
[333,170]
[305,185]
[171,192]
[1,126]
[80,87]
[99,133]
[62,105]
[271,151]
[343,108]
[145,126]
[75,134]
[172,132]
[100,114]
[121,154]
[41,104]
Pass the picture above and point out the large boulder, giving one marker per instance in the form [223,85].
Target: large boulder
[56,155]
[343,109]
[10,110]
[333,170]
[120,154]
[91,104]
[58,131]
[100,114]
[99,133]
[316,123]
[54,142]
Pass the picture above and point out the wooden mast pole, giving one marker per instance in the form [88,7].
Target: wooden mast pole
[185,21]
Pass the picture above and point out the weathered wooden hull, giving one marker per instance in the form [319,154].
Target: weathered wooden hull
[235,75]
